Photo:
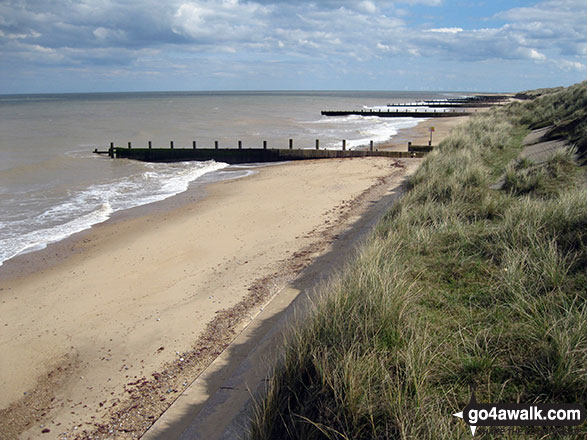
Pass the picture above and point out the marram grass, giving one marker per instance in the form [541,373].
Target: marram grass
[460,286]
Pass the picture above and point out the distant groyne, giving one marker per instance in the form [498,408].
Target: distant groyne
[397,113]
[432,108]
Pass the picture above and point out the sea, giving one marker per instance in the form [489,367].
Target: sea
[52,185]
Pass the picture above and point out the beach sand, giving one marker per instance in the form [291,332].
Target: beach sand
[133,309]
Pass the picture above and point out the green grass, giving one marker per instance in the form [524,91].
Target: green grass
[459,286]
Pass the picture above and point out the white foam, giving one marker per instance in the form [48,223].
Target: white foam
[40,238]
[360,130]
[93,205]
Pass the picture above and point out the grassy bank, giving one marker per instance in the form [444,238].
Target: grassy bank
[459,286]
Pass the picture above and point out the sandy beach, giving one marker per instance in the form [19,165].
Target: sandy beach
[124,316]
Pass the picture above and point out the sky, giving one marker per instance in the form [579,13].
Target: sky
[65,46]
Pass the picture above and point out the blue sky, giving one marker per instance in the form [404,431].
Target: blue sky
[159,45]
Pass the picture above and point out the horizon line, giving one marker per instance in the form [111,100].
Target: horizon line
[249,91]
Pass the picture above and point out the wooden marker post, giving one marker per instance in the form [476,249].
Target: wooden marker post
[430,141]
[343,144]
[317,144]
[291,144]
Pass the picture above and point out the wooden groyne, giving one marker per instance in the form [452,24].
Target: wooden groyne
[246,155]
[397,113]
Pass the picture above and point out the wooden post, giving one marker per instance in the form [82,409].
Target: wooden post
[343,144]
[150,144]
[194,145]
[129,146]
[317,144]
[264,145]
[111,150]
[216,145]
[171,144]
[371,146]
[240,145]
[291,144]
[409,145]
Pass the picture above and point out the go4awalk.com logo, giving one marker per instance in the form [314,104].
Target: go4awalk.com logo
[515,414]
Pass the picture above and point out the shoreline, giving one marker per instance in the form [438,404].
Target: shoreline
[102,248]
[27,263]
[33,261]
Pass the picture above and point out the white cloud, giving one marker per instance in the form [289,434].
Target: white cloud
[452,30]
[572,65]
[219,21]
[109,35]
[368,7]
[11,36]
[535,55]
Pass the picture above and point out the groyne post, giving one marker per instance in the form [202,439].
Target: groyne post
[194,145]
[150,144]
[240,145]
[216,145]
[111,150]
[171,144]
[371,146]
[291,144]
[129,145]
[317,144]
[264,145]
[343,144]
